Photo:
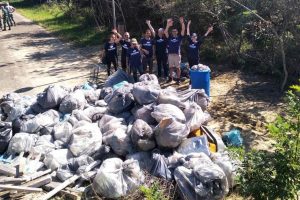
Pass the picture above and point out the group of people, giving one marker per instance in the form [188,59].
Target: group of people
[7,17]
[137,57]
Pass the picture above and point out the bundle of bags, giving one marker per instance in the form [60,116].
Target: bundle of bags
[132,127]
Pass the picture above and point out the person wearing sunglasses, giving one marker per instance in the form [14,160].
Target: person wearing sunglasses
[134,55]
[125,43]
[174,43]
[194,45]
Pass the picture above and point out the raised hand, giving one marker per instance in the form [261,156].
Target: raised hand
[148,21]
[189,22]
[114,31]
[170,22]
[181,19]
[210,29]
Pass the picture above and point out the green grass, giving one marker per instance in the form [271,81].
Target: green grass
[77,29]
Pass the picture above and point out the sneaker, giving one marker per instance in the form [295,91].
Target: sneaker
[178,82]
[3,29]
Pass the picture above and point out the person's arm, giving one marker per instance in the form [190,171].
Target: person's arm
[188,28]
[119,36]
[169,24]
[210,29]
[181,19]
[148,22]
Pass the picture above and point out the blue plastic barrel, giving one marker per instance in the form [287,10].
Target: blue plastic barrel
[200,80]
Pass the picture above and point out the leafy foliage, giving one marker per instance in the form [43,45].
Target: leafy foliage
[153,192]
[276,175]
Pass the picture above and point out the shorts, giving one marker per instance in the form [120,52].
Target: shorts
[174,60]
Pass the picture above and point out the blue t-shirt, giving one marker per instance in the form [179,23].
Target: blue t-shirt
[111,50]
[193,49]
[135,57]
[161,45]
[148,45]
[174,44]
[125,46]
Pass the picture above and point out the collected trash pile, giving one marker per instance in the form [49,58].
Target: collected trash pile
[111,136]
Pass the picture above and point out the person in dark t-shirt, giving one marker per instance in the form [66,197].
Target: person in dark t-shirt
[125,43]
[147,43]
[194,45]
[110,47]
[161,53]
[174,43]
[134,55]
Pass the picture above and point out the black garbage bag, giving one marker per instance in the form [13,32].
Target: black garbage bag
[5,135]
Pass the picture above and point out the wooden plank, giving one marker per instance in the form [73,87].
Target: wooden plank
[39,182]
[12,180]
[37,175]
[7,170]
[20,188]
[69,181]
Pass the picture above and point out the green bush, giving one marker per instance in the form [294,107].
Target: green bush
[276,174]
[153,192]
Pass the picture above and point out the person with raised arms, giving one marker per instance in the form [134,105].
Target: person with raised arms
[174,43]
[110,47]
[194,45]
[147,43]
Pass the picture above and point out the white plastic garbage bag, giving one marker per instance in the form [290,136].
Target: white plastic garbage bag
[62,131]
[149,77]
[195,117]
[169,133]
[108,124]
[21,142]
[86,139]
[116,178]
[52,96]
[121,99]
[120,142]
[144,113]
[169,96]
[226,164]
[201,179]
[143,158]
[5,135]
[44,144]
[95,113]
[166,111]
[73,101]
[194,145]
[57,158]
[142,136]
[145,92]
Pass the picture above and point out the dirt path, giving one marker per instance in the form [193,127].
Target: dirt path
[245,101]
[31,59]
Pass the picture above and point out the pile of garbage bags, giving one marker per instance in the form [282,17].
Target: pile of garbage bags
[131,128]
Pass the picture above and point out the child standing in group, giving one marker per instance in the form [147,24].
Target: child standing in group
[134,54]
[110,47]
